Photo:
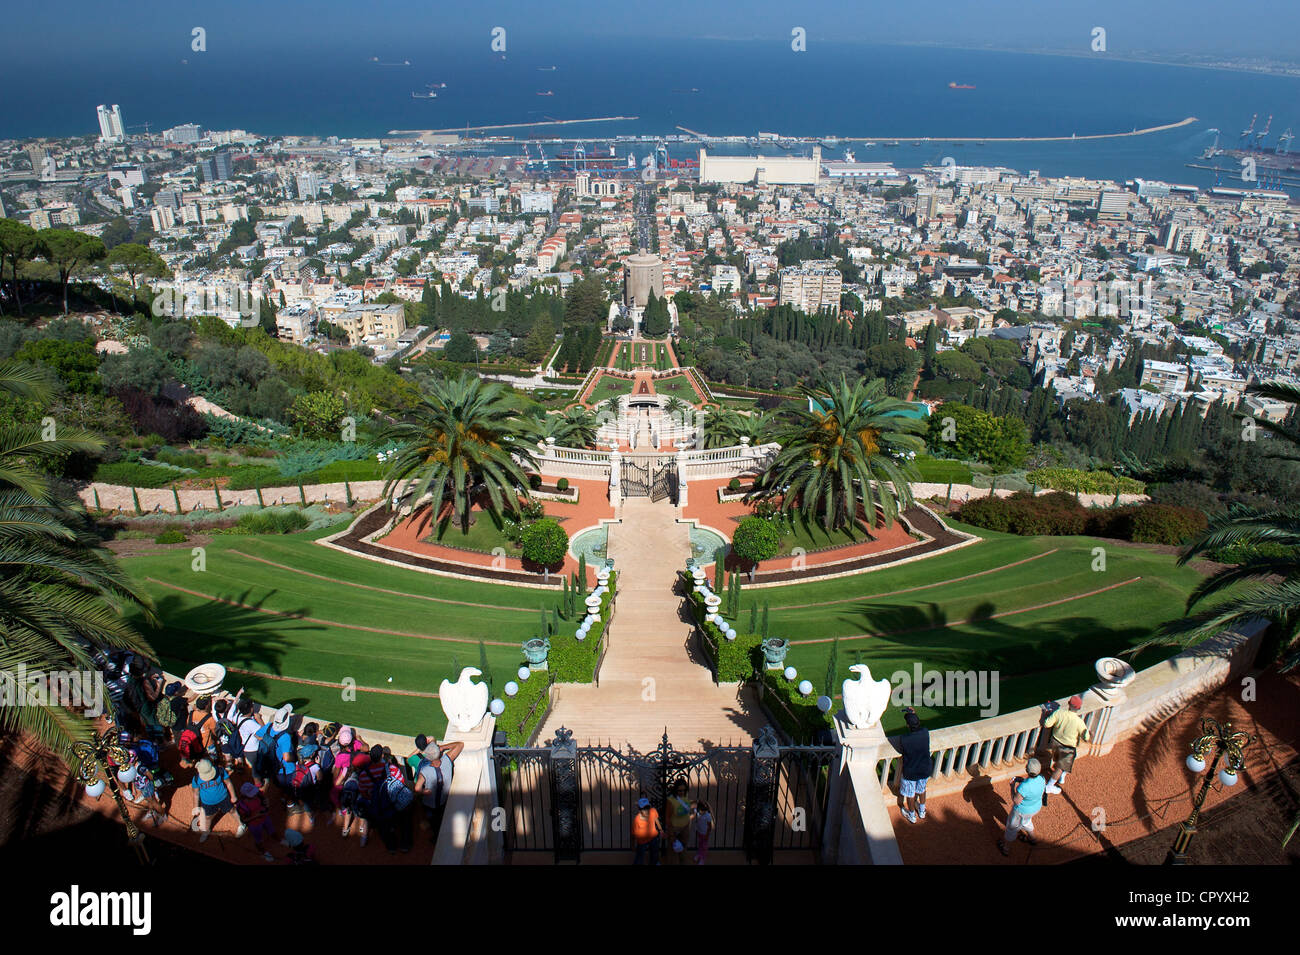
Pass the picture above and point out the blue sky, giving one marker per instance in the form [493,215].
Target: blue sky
[155,27]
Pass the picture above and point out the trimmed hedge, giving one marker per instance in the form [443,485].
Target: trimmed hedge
[514,719]
[170,537]
[571,661]
[1059,514]
[797,714]
[1084,482]
[734,661]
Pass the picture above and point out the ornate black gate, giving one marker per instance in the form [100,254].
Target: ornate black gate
[569,799]
[664,483]
[636,480]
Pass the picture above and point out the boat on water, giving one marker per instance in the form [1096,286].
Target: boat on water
[891,144]
[435,86]
[545,93]
[961,86]
[545,69]
[415,95]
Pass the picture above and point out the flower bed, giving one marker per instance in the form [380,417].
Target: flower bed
[525,710]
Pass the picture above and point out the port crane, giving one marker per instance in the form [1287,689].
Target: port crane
[1263,134]
[1245,133]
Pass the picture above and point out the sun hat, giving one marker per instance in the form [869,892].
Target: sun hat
[345,735]
[280,722]
[249,789]
[292,838]
[1076,702]
[207,772]
[1033,767]
[307,750]
[433,752]
[642,803]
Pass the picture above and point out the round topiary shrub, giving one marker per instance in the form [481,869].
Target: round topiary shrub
[562,484]
[544,543]
[755,539]
[733,484]
[535,481]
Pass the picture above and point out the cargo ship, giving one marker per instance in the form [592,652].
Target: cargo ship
[424,95]
[961,86]
[545,93]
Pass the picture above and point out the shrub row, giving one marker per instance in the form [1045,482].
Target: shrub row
[797,714]
[574,661]
[734,661]
[1084,482]
[1058,514]
[516,720]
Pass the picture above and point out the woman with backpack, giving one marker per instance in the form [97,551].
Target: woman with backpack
[366,780]
[347,746]
[248,724]
[216,795]
[196,740]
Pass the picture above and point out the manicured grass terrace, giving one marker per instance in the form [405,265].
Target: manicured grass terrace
[284,607]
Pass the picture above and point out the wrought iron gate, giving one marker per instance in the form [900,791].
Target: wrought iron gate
[569,799]
[664,483]
[636,480]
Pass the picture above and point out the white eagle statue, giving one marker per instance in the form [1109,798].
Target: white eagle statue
[464,702]
[865,699]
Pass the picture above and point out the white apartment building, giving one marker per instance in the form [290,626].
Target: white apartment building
[811,286]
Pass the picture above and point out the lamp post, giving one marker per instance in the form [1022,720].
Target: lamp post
[92,763]
[1227,745]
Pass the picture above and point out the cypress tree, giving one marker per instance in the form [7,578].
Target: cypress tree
[177,498]
[765,630]
[753,618]
[832,666]
[483,665]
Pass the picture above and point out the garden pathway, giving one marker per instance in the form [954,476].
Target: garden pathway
[654,676]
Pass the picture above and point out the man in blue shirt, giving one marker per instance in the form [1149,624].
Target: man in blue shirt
[917,766]
[1026,801]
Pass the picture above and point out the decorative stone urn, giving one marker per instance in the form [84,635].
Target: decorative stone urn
[774,651]
[535,651]
[1115,674]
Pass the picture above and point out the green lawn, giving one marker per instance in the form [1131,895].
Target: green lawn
[942,471]
[301,612]
[677,386]
[483,535]
[923,612]
[608,388]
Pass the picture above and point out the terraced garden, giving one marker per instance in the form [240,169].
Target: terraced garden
[300,619]
[1031,608]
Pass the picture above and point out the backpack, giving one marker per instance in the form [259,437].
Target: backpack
[190,743]
[227,737]
[165,713]
[147,753]
[302,774]
[326,759]
[267,762]
[399,794]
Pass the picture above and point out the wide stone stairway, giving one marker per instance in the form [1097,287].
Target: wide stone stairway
[654,676]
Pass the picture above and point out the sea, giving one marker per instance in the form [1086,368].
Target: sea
[716,87]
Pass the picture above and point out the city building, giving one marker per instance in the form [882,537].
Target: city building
[370,321]
[642,274]
[111,129]
[217,167]
[811,286]
[762,170]
[184,135]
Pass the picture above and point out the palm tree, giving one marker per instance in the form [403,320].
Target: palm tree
[720,428]
[466,438]
[675,407]
[757,426]
[62,597]
[574,428]
[848,450]
[1268,579]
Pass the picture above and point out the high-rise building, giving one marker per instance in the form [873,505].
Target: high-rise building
[811,286]
[183,134]
[308,185]
[216,167]
[111,128]
[642,274]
